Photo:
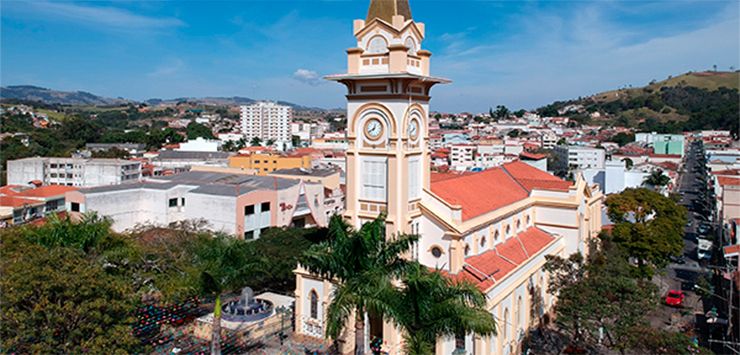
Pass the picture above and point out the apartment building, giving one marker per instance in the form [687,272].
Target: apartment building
[235,204]
[579,157]
[79,172]
[267,121]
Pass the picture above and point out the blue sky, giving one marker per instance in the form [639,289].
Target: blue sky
[521,54]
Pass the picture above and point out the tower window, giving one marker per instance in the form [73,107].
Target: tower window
[411,45]
[374,179]
[377,45]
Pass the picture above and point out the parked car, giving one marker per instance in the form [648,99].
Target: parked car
[674,298]
[704,228]
[678,259]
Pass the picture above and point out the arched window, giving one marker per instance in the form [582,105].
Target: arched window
[495,236]
[483,242]
[314,308]
[411,45]
[519,313]
[529,220]
[508,230]
[467,249]
[506,325]
[377,45]
[518,224]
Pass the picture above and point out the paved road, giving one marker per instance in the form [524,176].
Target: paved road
[682,276]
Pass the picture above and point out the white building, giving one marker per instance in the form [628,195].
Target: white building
[267,121]
[81,172]
[200,144]
[578,157]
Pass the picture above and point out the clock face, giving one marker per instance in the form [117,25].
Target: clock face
[373,129]
[413,129]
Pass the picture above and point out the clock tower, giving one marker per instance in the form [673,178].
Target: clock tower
[388,91]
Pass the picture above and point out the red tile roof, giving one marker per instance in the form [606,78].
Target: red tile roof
[11,190]
[48,191]
[13,201]
[728,180]
[534,156]
[494,188]
[486,269]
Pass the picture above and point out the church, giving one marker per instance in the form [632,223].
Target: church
[492,228]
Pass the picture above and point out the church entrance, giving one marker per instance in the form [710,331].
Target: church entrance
[375,333]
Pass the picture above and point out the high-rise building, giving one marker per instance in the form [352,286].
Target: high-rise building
[267,121]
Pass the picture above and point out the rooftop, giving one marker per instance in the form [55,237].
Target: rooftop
[479,193]
[486,269]
[305,172]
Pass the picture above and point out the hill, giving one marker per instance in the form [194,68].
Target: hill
[46,96]
[703,80]
[49,96]
[692,101]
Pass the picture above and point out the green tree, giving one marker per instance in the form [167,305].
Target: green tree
[195,130]
[501,112]
[225,263]
[622,138]
[270,142]
[648,225]
[58,301]
[363,263]
[430,305]
[255,142]
[656,179]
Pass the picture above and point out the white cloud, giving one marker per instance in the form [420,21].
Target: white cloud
[564,59]
[103,18]
[309,77]
[167,69]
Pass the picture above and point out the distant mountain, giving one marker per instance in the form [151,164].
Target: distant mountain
[707,80]
[49,96]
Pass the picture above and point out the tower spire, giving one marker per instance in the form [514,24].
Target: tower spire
[386,9]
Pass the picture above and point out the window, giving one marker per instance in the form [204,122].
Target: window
[377,45]
[182,201]
[529,220]
[436,252]
[249,210]
[518,224]
[411,45]
[483,242]
[459,341]
[508,229]
[265,206]
[173,202]
[53,166]
[249,235]
[414,179]
[467,249]
[74,207]
[495,236]
[374,179]
[314,307]
[263,230]
[506,325]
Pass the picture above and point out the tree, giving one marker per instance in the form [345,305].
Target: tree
[628,163]
[225,264]
[195,130]
[656,179]
[255,142]
[501,112]
[270,142]
[599,293]
[430,305]
[363,263]
[648,225]
[56,300]
[622,138]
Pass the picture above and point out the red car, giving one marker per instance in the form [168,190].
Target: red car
[674,298]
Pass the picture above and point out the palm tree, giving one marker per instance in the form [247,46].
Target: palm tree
[225,264]
[363,264]
[656,179]
[430,305]
[255,142]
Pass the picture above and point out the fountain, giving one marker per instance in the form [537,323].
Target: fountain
[246,308]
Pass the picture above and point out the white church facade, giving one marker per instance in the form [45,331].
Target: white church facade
[492,228]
